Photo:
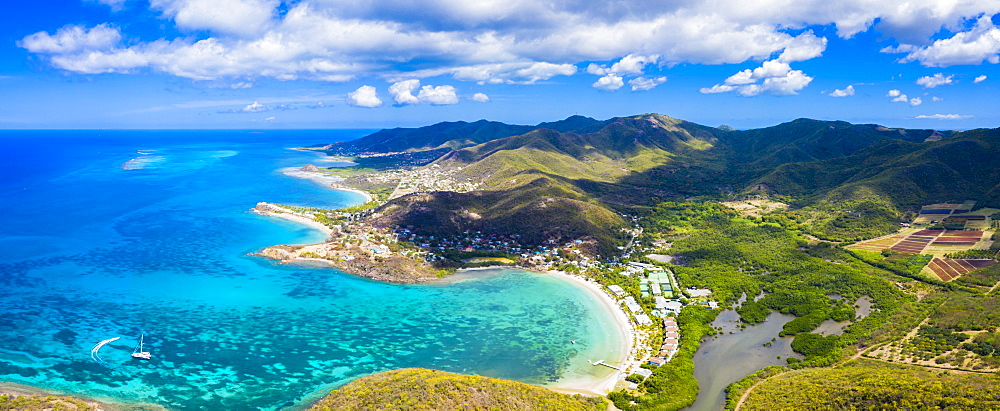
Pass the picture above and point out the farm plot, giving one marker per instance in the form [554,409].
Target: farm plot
[959,237]
[915,243]
[948,269]
[936,212]
[878,244]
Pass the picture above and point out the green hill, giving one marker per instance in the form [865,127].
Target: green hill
[417,388]
[571,179]
[908,174]
[445,135]
[545,208]
[866,384]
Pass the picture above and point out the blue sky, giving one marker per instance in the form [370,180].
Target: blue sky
[137,64]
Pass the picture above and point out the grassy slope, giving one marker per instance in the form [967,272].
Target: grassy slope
[851,174]
[417,388]
[544,208]
[867,384]
[546,184]
[908,174]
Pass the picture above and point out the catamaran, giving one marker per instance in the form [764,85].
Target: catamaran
[138,352]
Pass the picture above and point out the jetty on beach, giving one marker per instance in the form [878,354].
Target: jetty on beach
[601,362]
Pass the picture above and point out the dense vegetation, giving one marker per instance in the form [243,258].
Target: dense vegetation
[866,384]
[849,181]
[417,388]
[672,385]
[968,312]
[40,402]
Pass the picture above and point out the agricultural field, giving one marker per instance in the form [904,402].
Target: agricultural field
[880,243]
[938,212]
[915,243]
[958,237]
[948,269]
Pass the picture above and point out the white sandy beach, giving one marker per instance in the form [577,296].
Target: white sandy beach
[290,216]
[324,179]
[607,384]
[368,197]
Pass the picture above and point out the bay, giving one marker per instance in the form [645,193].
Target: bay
[125,233]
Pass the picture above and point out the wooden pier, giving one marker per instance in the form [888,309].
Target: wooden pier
[601,362]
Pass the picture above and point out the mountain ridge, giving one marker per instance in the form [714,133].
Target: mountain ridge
[592,171]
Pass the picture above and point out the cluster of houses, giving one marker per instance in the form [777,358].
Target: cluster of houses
[671,340]
[424,179]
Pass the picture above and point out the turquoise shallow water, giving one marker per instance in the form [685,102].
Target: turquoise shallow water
[107,234]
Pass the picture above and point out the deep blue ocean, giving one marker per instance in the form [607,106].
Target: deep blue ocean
[122,233]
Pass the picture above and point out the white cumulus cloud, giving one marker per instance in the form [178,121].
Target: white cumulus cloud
[978,44]
[239,17]
[893,93]
[979,79]
[364,96]
[938,79]
[512,42]
[610,82]
[255,108]
[944,116]
[72,39]
[846,91]
[402,91]
[772,77]
[438,95]
[643,83]
[480,97]
[916,101]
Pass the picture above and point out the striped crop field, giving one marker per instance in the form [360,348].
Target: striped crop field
[948,269]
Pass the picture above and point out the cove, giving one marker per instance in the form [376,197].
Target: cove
[109,234]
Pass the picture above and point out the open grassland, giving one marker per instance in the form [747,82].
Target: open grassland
[418,388]
[866,384]
[958,334]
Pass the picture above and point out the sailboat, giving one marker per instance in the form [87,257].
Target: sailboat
[138,353]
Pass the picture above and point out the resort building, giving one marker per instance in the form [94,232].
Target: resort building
[633,305]
[617,290]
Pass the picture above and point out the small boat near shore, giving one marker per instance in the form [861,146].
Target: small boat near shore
[138,353]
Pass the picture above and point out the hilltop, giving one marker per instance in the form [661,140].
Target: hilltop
[445,135]
[418,388]
[579,175]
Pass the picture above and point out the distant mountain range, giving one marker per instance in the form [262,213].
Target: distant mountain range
[571,179]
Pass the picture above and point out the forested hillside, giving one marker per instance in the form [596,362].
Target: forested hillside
[580,172]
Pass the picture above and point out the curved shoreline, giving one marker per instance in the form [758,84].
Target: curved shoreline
[602,386]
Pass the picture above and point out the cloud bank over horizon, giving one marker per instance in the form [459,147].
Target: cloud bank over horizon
[511,42]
